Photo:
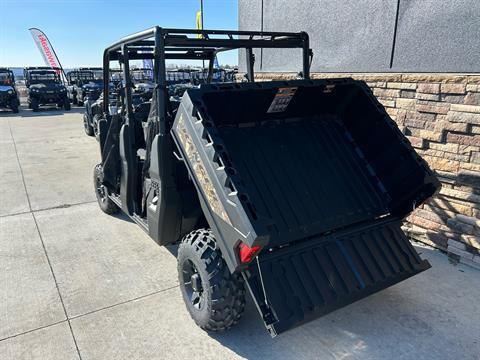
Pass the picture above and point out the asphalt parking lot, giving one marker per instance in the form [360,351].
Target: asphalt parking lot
[78,284]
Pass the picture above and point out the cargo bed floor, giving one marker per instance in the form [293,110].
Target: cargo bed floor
[306,176]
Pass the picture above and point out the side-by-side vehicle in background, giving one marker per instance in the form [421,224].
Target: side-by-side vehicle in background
[45,87]
[142,80]
[219,75]
[8,92]
[293,190]
[94,105]
[84,84]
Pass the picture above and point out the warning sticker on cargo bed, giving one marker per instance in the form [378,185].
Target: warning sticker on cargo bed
[282,99]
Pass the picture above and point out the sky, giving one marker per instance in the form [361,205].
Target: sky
[80,30]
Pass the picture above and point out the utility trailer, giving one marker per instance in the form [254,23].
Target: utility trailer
[294,190]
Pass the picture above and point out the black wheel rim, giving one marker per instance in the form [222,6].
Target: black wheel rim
[193,285]
[101,191]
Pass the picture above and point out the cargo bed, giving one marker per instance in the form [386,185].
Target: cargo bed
[314,173]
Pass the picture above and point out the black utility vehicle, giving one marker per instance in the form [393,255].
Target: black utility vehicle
[219,75]
[94,104]
[45,87]
[293,190]
[93,113]
[84,84]
[8,93]
[142,80]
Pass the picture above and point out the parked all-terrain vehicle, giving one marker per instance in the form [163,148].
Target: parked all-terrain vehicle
[45,87]
[142,80]
[8,93]
[218,75]
[181,76]
[293,190]
[94,107]
[85,84]
[93,113]
[71,86]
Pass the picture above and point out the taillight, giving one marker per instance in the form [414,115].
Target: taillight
[247,253]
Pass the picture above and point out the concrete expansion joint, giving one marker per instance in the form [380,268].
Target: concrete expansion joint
[63,206]
[68,318]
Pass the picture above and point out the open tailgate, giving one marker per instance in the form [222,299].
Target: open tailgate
[300,283]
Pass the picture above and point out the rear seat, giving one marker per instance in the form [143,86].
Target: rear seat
[140,113]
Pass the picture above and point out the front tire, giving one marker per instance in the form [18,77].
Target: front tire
[34,104]
[214,297]
[101,192]
[66,104]
[86,125]
[96,119]
[14,104]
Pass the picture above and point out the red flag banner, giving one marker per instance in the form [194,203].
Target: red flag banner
[45,48]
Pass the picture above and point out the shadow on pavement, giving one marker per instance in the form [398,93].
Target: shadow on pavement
[52,110]
[7,112]
[172,249]
[48,111]
[406,321]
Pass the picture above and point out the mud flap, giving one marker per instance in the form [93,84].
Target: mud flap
[297,284]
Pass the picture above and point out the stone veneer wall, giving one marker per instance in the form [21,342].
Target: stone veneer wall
[440,115]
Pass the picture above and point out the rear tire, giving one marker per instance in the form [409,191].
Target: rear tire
[214,297]
[86,125]
[101,192]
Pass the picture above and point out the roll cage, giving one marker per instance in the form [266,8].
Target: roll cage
[85,74]
[115,75]
[141,74]
[7,77]
[161,44]
[41,74]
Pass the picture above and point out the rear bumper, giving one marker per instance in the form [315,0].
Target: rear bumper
[306,281]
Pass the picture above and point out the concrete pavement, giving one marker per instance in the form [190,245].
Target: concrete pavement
[78,284]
